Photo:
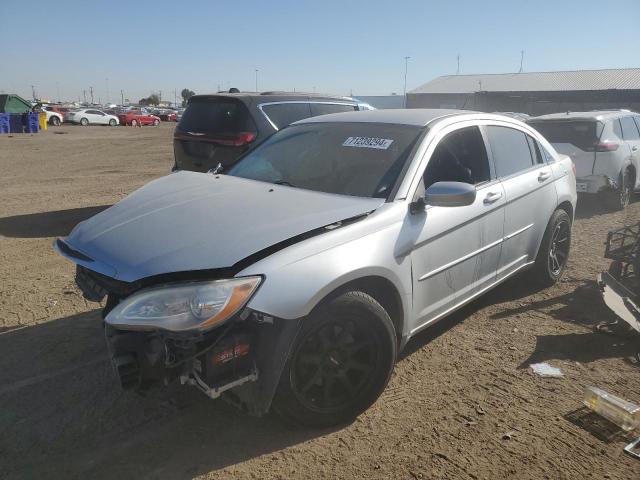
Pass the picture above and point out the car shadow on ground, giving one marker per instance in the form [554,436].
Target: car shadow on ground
[62,412]
[590,206]
[46,224]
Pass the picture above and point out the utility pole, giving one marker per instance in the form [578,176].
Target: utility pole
[107,89]
[84,92]
[521,60]
[256,80]
[122,97]
[406,66]
[175,97]
[458,68]
[33,92]
[91,90]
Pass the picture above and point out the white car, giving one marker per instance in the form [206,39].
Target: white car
[53,118]
[90,116]
[604,146]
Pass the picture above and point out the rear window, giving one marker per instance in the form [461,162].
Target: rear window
[583,134]
[220,117]
[359,159]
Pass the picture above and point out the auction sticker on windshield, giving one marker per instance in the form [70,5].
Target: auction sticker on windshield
[368,142]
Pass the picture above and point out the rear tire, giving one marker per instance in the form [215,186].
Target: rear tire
[112,123]
[55,121]
[156,122]
[84,122]
[134,123]
[554,250]
[618,200]
[340,362]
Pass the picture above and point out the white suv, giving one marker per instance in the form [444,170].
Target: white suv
[604,148]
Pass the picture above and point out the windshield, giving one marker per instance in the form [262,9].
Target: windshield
[359,159]
[216,116]
[581,133]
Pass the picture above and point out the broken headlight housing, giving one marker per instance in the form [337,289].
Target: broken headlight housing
[181,307]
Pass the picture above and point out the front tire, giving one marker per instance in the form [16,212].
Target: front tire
[340,362]
[55,121]
[112,123]
[554,250]
[84,122]
[156,122]
[134,123]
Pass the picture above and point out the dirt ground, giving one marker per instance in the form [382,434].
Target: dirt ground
[461,404]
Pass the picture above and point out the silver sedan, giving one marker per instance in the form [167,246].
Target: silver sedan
[294,279]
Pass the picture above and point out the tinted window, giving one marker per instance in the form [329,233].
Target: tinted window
[637,120]
[510,150]
[360,159]
[629,129]
[220,117]
[581,133]
[283,114]
[535,150]
[459,157]
[617,129]
[326,108]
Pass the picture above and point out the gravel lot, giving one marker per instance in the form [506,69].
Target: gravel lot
[461,404]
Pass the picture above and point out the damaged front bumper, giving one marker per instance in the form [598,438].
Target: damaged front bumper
[624,303]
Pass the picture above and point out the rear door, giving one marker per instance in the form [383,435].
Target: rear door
[631,136]
[213,130]
[530,194]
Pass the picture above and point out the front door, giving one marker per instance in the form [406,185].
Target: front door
[456,249]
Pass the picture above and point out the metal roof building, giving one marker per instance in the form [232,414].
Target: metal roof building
[533,93]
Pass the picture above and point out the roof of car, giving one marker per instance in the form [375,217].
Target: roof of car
[593,115]
[268,97]
[418,117]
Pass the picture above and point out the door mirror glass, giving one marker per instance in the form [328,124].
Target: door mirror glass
[450,194]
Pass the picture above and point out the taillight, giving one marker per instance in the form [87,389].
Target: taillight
[605,147]
[241,138]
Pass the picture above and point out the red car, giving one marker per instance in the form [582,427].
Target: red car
[138,118]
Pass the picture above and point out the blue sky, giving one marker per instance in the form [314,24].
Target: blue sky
[333,46]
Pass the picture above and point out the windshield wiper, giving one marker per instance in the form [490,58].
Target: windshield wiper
[284,182]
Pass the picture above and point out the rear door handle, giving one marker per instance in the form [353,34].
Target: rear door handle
[634,149]
[544,176]
[492,197]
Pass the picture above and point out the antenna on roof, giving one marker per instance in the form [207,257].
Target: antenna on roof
[521,60]
[458,69]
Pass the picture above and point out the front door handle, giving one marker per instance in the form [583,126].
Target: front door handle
[544,176]
[634,149]
[492,197]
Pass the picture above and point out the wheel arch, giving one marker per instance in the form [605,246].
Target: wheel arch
[380,289]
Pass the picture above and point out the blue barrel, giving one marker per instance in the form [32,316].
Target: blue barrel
[31,122]
[5,123]
[15,123]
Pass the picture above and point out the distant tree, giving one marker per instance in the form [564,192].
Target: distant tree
[186,95]
[152,99]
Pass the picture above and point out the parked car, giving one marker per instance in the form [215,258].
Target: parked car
[53,118]
[324,250]
[90,116]
[135,118]
[219,129]
[170,116]
[179,113]
[604,147]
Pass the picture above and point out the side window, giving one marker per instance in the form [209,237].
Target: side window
[510,150]
[617,129]
[534,148]
[326,108]
[459,157]
[637,120]
[547,156]
[283,114]
[629,129]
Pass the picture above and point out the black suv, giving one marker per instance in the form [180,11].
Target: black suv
[219,128]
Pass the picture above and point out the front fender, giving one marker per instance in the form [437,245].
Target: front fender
[299,277]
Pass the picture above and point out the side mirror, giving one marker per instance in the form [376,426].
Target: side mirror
[450,194]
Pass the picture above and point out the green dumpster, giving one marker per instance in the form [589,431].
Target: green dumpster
[14,104]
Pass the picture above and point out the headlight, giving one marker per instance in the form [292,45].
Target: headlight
[191,306]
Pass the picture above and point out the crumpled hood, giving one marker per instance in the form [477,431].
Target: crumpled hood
[194,221]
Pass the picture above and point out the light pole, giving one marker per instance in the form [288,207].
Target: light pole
[122,97]
[107,79]
[33,92]
[256,80]
[91,92]
[406,66]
